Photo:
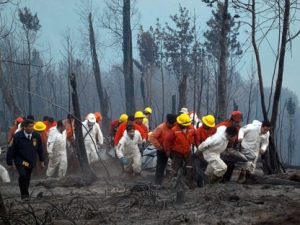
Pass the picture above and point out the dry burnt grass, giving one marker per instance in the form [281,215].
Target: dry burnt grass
[117,200]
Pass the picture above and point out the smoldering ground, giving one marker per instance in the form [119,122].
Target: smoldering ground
[76,199]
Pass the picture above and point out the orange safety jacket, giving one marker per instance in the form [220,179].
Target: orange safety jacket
[12,132]
[180,142]
[158,136]
[145,129]
[121,130]
[204,134]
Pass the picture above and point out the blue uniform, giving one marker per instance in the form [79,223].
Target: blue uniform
[23,151]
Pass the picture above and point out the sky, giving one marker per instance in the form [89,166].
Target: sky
[56,16]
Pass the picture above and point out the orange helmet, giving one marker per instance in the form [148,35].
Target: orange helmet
[98,116]
[19,120]
[236,116]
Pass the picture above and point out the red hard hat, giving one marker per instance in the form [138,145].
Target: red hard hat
[98,116]
[236,116]
[19,119]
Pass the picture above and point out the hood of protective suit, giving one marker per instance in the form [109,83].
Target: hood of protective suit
[256,123]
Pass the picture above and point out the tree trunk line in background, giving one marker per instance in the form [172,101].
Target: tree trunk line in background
[182,86]
[128,61]
[80,147]
[7,94]
[29,78]
[104,106]
[222,77]
[271,160]
[275,161]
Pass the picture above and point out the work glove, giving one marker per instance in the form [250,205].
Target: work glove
[124,161]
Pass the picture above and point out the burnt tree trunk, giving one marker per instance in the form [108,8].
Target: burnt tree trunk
[182,86]
[222,77]
[81,152]
[7,94]
[274,158]
[104,106]
[127,61]
[258,63]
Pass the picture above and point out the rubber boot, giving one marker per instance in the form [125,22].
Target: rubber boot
[228,174]
[241,178]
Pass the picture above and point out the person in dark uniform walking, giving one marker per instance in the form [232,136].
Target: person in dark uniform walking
[22,150]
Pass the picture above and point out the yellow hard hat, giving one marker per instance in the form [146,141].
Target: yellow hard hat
[148,110]
[184,120]
[139,114]
[145,120]
[209,120]
[39,126]
[123,118]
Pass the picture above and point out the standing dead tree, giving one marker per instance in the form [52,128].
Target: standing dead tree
[30,26]
[81,152]
[280,21]
[96,67]
[5,89]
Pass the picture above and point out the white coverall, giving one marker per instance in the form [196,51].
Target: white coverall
[3,172]
[56,148]
[129,149]
[212,147]
[91,135]
[253,141]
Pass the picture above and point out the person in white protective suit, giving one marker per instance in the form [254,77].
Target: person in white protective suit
[211,149]
[254,138]
[56,148]
[3,172]
[91,134]
[128,151]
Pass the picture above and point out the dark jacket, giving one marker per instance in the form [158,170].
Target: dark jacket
[23,151]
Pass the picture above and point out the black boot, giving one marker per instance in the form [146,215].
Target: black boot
[228,174]
[241,178]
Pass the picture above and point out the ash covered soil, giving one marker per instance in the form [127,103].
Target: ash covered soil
[118,200]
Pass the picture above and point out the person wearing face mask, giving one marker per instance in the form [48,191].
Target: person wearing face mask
[128,151]
[178,144]
[254,139]
[211,149]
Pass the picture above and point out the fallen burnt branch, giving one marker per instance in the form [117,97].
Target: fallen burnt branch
[141,196]
[276,179]
[67,181]
[75,210]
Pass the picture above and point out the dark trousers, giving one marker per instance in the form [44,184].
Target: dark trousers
[161,163]
[24,180]
[177,162]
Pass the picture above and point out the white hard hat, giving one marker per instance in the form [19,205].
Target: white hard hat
[184,111]
[91,118]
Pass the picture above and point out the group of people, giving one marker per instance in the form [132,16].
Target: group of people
[217,147]
[45,143]
[177,140]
